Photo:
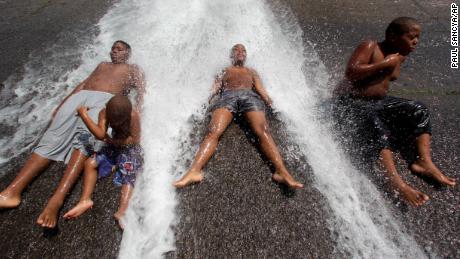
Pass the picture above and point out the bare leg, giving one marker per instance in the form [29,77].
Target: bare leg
[11,196]
[89,182]
[221,118]
[260,127]
[48,217]
[414,197]
[424,165]
[126,192]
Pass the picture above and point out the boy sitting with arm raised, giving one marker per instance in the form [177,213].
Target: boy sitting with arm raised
[369,71]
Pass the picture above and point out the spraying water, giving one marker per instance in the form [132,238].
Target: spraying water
[181,45]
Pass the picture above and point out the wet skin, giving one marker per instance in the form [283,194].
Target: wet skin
[85,203]
[116,77]
[373,65]
[238,77]
[369,71]
[99,130]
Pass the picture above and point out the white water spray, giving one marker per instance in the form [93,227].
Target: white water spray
[26,104]
[190,43]
[181,45]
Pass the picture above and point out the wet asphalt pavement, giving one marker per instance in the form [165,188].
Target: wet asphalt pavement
[238,212]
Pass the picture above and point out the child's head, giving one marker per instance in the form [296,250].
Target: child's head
[120,52]
[118,114]
[238,53]
[403,34]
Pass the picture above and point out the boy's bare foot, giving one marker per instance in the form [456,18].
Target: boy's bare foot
[8,201]
[79,209]
[48,217]
[287,179]
[414,197]
[429,169]
[118,216]
[189,178]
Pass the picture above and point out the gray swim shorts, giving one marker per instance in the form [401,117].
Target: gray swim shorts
[67,131]
[239,101]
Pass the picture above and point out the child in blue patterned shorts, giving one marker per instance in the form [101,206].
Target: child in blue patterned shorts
[121,153]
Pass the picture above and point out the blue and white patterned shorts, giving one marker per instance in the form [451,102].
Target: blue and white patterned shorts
[125,161]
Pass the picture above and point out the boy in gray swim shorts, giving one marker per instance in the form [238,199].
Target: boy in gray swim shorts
[239,101]
[238,90]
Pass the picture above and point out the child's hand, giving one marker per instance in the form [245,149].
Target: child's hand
[82,110]
[108,140]
[393,60]
[114,142]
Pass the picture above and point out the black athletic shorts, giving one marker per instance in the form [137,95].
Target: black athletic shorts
[390,116]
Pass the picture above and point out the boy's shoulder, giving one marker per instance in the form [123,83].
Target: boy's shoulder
[134,67]
[104,63]
[135,70]
[135,114]
[368,44]
[366,49]
[251,70]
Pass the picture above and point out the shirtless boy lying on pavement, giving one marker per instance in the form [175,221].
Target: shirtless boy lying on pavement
[240,91]
[67,137]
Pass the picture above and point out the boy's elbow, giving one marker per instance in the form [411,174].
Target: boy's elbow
[100,136]
[350,74]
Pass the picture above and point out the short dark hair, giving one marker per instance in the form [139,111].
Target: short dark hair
[399,26]
[118,111]
[127,46]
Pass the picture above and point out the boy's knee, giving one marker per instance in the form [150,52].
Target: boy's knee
[422,117]
[421,104]
[90,163]
[262,130]
[421,109]
[214,132]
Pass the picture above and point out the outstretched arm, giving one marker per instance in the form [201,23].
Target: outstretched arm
[138,82]
[217,85]
[358,67]
[260,89]
[99,130]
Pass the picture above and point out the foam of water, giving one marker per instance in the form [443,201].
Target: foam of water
[189,43]
[181,45]
[26,104]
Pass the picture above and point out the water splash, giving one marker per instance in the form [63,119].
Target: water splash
[27,101]
[191,43]
[181,45]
